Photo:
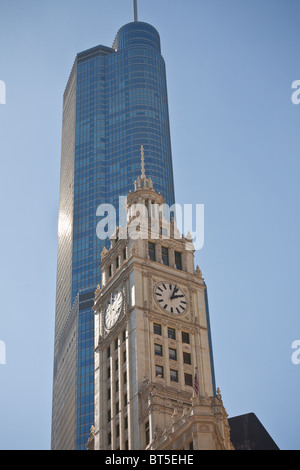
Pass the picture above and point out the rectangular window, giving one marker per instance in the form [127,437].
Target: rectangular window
[147,433]
[117,430]
[174,375]
[188,380]
[171,333]
[158,350]
[116,343]
[151,251]
[109,415]
[117,407]
[117,386]
[124,253]
[124,356]
[185,337]
[165,255]
[108,394]
[117,262]
[109,438]
[157,329]
[124,336]
[116,364]
[178,260]
[109,270]
[159,372]
[108,352]
[125,377]
[172,354]
[108,372]
[187,358]
[125,399]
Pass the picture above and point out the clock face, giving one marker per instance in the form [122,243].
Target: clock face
[170,298]
[113,309]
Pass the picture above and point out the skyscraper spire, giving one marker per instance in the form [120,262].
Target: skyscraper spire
[135,10]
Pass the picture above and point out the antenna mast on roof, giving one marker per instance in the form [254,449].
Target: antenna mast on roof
[135,10]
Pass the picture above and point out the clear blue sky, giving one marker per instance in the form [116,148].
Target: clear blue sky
[235,141]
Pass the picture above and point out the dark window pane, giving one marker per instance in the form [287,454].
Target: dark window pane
[151,249]
[171,333]
[158,350]
[159,372]
[178,260]
[188,380]
[174,375]
[187,358]
[165,255]
[185,337]
[172,354]
[147,433]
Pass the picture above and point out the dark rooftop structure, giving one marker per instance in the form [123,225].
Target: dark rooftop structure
[247,433]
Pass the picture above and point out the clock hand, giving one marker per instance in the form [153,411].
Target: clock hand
[175,290]
[177,296]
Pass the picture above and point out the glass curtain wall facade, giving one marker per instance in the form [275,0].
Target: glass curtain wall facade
[115,102]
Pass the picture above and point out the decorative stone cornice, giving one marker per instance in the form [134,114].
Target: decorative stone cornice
[210,416]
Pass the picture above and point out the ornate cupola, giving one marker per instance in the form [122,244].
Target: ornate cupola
[144,195]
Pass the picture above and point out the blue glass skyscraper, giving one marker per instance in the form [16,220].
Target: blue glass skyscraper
[115,102]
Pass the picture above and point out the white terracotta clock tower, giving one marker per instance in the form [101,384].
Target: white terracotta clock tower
[154,377]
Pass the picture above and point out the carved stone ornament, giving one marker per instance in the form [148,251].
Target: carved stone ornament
[104,252]
[134,250]
[198,272]
[98,291]
[158,432]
